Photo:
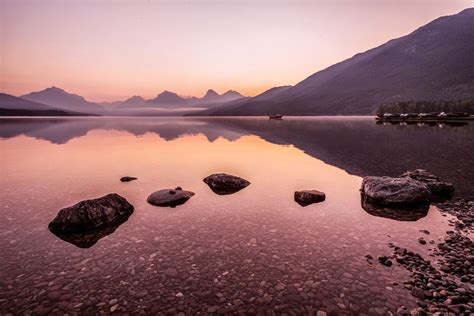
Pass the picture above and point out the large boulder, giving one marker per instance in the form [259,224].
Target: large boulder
[440,190]
[222,184]
[307,197]
[169,197]
[92,214]
[396,192]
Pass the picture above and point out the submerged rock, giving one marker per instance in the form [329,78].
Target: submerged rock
[90,238]
[396,192]
[169,197]
[92,214]
[222,184]
[307,197]
[440,190]
[127,179]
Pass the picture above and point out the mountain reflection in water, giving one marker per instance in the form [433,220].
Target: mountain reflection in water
[355,144]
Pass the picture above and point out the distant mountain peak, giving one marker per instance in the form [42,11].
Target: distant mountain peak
[167,93]
[53,89]
[167,97]
[62,99]
[211,93]
[232,93]
[135,97]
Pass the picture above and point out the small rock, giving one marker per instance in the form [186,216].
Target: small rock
[418,293]
[223,184]
[169,197]
[127,179]
[114,308]
[267,299]
[307,197]
[385,261]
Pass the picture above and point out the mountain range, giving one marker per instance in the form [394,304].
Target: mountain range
[435,62]
[171,99]
[60,101]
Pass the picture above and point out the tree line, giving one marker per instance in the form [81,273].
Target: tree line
[460,106]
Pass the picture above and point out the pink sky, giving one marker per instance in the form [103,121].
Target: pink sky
[109,50]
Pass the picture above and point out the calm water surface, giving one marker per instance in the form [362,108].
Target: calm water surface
[256,250]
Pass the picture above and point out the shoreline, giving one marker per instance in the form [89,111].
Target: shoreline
[448,284]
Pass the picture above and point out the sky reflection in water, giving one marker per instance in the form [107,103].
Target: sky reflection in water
[258,234]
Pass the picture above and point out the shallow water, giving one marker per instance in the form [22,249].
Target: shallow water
[250,251]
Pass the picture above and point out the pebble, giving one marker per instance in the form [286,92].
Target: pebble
[114,308]
[213,309]
[171,272]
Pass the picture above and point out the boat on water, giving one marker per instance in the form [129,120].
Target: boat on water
[275,117]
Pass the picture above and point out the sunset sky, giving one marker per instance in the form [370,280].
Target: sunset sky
[110,50]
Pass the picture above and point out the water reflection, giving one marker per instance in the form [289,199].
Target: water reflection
[399,214]
[356,145]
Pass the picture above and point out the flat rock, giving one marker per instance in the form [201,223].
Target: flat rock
[127,179]
[222,184]
[440,190]
[92,214]
[307,197]
[396,192]
[169,197]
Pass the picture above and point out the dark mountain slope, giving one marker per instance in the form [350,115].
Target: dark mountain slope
[434,62]
[8,101]
[15,106]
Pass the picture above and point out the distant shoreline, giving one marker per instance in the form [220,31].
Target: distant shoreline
[22,113]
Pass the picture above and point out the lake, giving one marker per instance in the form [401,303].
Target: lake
[249,252]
